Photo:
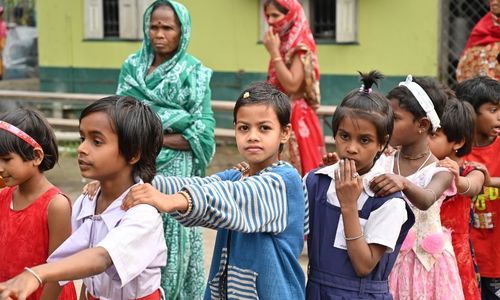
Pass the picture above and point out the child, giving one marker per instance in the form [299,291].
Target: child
[483,94]
[449,143]
[426,267]
[35,217]
[119,254]
[354,236]
[260,214]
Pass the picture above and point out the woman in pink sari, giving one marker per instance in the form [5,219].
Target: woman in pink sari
[293,68]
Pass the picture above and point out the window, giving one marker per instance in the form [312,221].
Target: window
[114,19]
[330,20]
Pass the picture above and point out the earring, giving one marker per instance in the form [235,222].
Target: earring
[419,131]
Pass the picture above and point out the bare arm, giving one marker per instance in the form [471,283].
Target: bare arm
[291,79]
[59,221]
[175,141]
[422,198]
[83,264]
[469,185]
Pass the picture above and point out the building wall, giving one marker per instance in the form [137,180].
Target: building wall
[395,37]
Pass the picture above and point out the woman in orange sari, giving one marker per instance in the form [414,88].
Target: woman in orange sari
[481,53]
[293,68]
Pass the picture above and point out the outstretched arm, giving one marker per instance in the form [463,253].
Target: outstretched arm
[80,265]
[422,198]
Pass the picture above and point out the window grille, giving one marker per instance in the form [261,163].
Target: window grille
[111,19]
[458,17]
[323,19]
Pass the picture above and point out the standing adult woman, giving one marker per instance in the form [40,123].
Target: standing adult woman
[176,85]
[293,68]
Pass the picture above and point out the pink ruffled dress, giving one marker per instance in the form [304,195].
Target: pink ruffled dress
[426,267]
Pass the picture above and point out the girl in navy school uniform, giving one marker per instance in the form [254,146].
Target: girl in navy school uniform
[355,236]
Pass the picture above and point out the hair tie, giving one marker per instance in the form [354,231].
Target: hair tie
[246,95]
[19,133]
[363,90]
[423,99]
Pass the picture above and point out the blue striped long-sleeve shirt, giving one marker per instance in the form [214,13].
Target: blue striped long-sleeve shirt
[253,204]
[264,216]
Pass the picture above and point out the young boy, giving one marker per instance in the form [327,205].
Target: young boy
[484,95]
[118,254]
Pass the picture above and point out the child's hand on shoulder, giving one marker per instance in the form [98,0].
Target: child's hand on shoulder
[329,159]
[90,189]
[143,194]
[450,165]
[387,184]
[348,184]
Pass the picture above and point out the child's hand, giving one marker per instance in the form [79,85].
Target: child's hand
[450,165]
[387,184]
[146,194]
[329,159]
[90,189]
[242,167]
[19,287]
[482,168]
[348,184]
[390,150]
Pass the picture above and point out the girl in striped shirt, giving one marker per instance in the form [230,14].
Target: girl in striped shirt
[260,213]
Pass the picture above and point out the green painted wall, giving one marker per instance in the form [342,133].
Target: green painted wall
[396,37]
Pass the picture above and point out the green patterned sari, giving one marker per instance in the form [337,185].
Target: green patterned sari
[178,90]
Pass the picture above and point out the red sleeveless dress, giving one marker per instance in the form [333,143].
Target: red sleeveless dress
[24,238]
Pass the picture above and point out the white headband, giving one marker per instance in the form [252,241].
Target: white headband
[424,101]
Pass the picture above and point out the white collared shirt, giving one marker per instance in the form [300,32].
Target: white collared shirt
[383,225]
[134,240]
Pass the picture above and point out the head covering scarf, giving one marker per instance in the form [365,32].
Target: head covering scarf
[485,32]
[178,90]
[296,39]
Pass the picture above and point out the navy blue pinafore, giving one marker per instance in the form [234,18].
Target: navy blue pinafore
[330,271]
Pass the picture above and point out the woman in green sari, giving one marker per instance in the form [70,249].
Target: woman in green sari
[176,85]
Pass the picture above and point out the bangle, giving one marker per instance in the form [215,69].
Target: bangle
[433,193]
[468,186]
[190,203]
[354,238]
[277,58]
[40,281]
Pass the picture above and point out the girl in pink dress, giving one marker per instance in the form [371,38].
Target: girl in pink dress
[426,267]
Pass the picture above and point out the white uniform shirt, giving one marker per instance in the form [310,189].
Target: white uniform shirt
[134,239]
[384,224]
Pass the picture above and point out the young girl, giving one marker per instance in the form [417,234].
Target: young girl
[426,267]
[119,254]
[449,143]
[260,214]
[34,214]
[355,236]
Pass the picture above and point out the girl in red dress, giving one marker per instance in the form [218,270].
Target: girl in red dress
[452,141]
[34,215]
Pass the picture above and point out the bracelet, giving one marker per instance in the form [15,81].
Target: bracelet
[468,186]
[277,58]
[190,203]
[40,281]
[354,238]
[434,193]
